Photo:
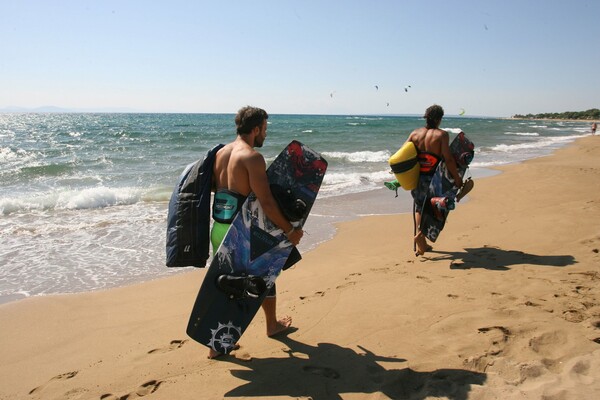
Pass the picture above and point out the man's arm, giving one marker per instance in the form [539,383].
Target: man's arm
[259,184]
[449,159]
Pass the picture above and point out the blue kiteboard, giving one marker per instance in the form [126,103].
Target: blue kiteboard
[442,193]
[254,251]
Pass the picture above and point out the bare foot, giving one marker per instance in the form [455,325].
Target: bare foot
[281,326]
[212,353]
[422,245]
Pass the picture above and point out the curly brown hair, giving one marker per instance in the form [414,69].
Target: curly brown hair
[249,118]
[433,115]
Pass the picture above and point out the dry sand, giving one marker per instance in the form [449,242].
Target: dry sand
[506,307]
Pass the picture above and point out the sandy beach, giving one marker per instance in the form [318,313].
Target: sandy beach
[507,306]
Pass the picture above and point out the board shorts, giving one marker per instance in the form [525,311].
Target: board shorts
[420,194]
[428,163]
[217,234]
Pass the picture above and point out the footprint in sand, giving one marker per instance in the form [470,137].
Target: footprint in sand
[582,290]
[316,294]
[591,275]
[549,345]
[498,337]
[144,390]
[381,270]
[530,303]
[345,285]
[350,282]
[505,333]
[573,315]
[323,371]
[596,324]
[60,377]
[174,345]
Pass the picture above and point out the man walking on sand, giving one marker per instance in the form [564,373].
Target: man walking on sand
[238,170]
[432,145]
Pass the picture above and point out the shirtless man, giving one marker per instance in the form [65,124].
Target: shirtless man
[432,145]
[238,170]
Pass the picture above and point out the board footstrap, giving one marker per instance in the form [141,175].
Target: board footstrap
[241,287]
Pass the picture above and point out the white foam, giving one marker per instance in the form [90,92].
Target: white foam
[545,142]
[522,133]
[98,197]
[360,156]
[340,183]
[453,130]
[16,158]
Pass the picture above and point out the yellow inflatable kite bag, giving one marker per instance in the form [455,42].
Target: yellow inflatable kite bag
[405,166]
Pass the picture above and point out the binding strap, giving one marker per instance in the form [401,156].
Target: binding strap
[241,287]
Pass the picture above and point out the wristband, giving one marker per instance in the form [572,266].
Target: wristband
[291,230]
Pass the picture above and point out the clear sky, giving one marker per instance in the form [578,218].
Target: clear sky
[492,58]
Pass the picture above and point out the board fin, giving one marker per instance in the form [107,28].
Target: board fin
[466,188]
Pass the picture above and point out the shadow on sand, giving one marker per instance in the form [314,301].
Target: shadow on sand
[327,370]
[497,259]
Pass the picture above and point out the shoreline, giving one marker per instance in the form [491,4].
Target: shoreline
[505,306]
[77,246]
[319,228]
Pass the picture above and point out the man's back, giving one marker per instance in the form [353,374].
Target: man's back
[232,167]
[429,140]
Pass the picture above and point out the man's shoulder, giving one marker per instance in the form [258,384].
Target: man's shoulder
[252,158]
[417,132]
[440,133]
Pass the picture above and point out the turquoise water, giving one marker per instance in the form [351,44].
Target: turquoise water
[83,196]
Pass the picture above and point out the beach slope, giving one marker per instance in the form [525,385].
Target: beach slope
[506,306]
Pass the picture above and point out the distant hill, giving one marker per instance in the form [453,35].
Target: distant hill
[590,114]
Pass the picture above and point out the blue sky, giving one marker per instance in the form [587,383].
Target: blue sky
[492,58]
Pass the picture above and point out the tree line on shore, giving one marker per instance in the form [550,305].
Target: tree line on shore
[590,114]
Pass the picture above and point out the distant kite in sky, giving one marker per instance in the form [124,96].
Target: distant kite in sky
[376,87]
[331,94]
[406,88]
[388,104]
[462,111]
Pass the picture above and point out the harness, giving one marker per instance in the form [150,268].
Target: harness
[428,162]
[226,205]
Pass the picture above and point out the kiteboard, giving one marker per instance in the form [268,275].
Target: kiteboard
[254,251]
[442,194]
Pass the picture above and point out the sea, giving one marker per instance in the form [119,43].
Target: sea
[83,197]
